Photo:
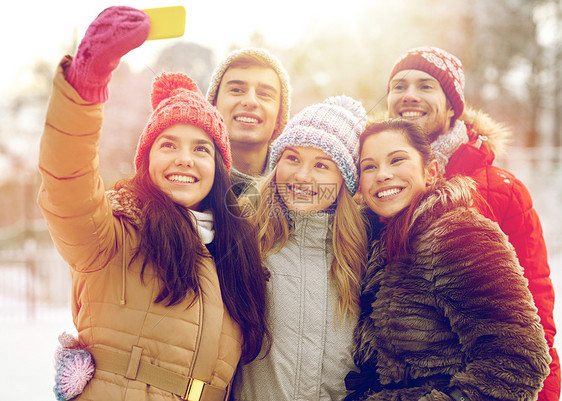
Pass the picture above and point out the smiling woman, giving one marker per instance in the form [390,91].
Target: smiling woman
[158,256]
[393,173]
[307,179]
[182,164]
[313,241]
[435,307]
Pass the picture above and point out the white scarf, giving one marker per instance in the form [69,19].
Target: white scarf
[447,144]
[204,222]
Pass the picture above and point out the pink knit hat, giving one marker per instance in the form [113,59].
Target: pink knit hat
[441,65]
[176,99]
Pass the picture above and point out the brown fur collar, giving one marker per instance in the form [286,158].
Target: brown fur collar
[125,204]
[444,195]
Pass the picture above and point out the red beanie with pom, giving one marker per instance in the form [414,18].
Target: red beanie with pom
[176,99]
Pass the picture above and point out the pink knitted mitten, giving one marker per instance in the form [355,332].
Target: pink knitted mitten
[74,368]
[115,32]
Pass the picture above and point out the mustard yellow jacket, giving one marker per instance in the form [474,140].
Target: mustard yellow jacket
[112,308]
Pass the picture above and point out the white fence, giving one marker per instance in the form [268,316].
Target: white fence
[34,283]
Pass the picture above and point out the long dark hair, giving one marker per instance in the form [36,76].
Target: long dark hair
[395,233]
[170,244]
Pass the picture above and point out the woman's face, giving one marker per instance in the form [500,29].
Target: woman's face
[307,179]
[392,173]
[182,164]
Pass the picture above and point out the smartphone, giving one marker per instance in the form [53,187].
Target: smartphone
[166,22]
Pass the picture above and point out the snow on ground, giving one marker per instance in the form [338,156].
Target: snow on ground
[28,348]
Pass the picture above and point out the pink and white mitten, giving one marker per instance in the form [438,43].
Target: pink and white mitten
[74,368]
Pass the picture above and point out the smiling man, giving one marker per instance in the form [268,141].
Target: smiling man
[251,90]
[426,86]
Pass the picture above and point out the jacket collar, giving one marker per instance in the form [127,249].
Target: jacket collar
[480,123]
[125,204]
[486,138]
[468,158]
[443,196]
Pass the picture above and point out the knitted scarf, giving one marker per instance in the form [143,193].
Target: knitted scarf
[447,144]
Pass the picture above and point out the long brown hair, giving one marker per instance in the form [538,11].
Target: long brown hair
[171,246]
[397,227]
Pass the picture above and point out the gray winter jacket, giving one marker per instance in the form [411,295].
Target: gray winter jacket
[311,352]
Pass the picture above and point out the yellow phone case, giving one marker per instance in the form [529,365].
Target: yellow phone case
[166,22]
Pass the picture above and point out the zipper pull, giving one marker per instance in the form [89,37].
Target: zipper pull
[481,138]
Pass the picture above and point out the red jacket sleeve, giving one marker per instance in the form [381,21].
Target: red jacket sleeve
[512,208]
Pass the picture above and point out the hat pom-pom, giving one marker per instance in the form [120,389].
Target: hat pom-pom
[166,85]
[348,103]
[68,340]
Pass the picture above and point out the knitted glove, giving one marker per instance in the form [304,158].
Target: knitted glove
[74,368]
[115,32]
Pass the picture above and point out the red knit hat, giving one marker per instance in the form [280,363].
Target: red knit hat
[441,65]
[176,99]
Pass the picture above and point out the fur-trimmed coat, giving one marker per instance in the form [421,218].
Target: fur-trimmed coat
[512,208]
[454,304]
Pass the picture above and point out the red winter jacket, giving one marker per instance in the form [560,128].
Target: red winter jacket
[512,208]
